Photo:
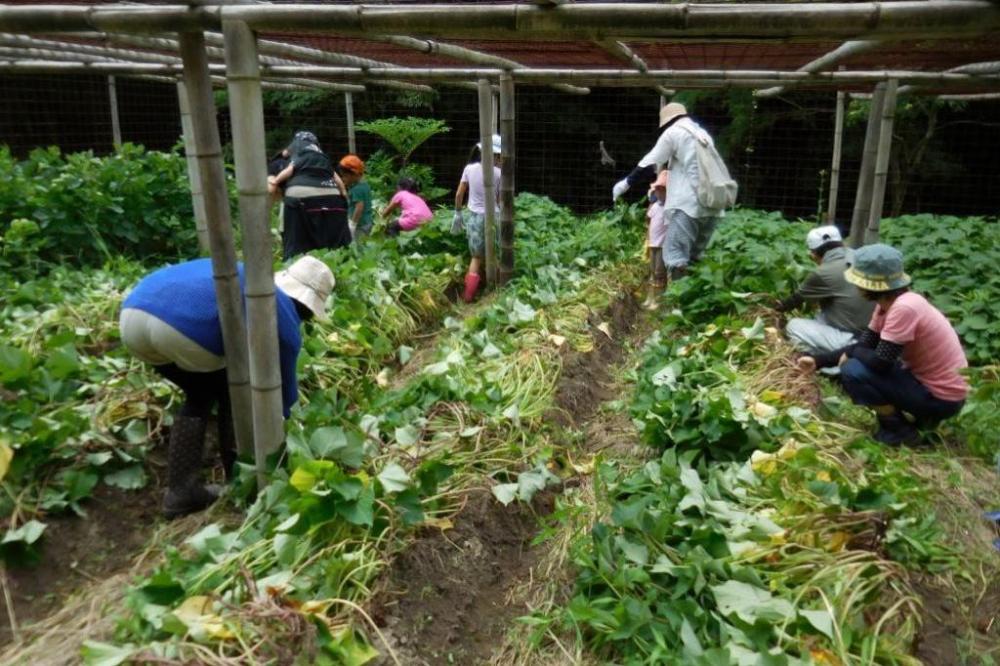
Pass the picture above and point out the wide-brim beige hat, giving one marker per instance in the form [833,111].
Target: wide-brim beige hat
[671,111]
[310,282]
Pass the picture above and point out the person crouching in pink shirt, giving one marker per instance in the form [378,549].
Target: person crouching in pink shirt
[413,210]
[907,362]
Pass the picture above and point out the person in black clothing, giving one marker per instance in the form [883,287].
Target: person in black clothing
[315,200]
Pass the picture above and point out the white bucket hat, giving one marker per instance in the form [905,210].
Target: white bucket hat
[671,111]
[497,145]
[309,281]
[820,236]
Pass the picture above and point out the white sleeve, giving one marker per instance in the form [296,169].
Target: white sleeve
[662,152]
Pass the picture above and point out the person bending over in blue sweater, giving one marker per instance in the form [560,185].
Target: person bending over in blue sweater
[170,320]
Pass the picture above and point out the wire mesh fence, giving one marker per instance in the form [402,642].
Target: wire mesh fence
[572,148]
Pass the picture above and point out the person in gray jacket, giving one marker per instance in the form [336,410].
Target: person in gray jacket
[843,312]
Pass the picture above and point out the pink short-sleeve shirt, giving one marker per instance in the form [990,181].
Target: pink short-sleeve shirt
[413,210]
[931,348]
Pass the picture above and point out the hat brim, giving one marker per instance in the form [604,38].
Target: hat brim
[301,293]
[876,283]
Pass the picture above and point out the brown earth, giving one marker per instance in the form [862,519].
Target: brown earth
[448,596]
[78,552]
[954,633]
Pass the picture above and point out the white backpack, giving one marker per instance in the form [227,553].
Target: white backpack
[716,188]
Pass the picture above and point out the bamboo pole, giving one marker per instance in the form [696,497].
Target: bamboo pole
[838,141]
[827,60]
[863,196]
[971,68]
[507,113]
[116,127]
[208,152]
[906,19]
[709,79]
[194,174]
[489,187]
[430,46]
[882,162]
[247,117]
[352,145]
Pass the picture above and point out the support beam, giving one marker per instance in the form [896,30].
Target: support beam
[489,186]
[826,61]
[208,151]
[352,144]
[194,173]
[992,67]
[882,162]
[468,55]
[247,117]
[838,141]
[866,174]
[906,19]
[507,174]
[621,51]
[709,79]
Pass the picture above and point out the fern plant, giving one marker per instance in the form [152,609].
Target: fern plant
[405,135]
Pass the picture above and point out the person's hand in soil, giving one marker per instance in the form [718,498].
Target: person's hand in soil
[806,365]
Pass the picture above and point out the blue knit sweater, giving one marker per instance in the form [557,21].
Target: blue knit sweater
[183,296]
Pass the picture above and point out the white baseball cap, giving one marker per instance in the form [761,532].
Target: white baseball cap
[309,281]
[820,236]
[497,145]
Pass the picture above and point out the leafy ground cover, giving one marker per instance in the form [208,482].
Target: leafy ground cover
[360,468]
[756,523]
[764,526]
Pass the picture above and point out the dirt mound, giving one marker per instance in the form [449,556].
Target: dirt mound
[453,585]
[585,377]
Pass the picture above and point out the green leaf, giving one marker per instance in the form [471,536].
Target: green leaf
[505,492]
[634,552]
[344,446]
[361,510]
[394,478]
[27,534]
[129,478]
[407,435]
[820,620]
[14,364]
[750,603]
[104,654]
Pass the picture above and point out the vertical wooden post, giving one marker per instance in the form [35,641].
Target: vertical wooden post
[882,161]
[247,117]
[838,141]
[863,197]
[507,174]
[489,187]
[208,152]
[194,174]
[116,127]
[352,146]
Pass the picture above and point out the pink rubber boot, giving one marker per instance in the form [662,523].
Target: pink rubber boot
[471,286]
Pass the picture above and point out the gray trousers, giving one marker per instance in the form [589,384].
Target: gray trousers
[815,336]
[687,237]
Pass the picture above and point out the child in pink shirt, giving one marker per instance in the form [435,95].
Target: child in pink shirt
[413,209]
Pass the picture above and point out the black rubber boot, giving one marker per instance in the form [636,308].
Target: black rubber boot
[895,430]
[185,491]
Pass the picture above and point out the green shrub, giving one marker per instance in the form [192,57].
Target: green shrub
[85,209]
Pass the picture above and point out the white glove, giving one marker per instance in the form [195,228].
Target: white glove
[620,188]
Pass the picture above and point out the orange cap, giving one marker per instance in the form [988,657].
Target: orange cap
[353,164]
